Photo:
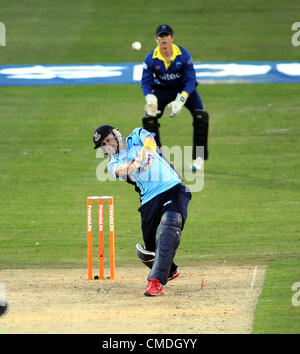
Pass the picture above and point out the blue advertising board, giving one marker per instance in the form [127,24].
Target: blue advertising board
[130,73]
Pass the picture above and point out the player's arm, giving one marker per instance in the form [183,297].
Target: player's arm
[127,168]
[146,154]
[142,161]
[147,85]
[149,144]
[189,76]
[147,81]
[189,80]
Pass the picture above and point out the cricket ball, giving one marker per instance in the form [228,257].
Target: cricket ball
[136,46]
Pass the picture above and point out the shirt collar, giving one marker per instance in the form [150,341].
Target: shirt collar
[175,50]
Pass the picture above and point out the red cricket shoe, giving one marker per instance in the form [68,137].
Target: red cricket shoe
[174,275]
[154,288]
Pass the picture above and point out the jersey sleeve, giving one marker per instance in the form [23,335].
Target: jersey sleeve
[139,134]
[112,166]
[147,76]
[189,74]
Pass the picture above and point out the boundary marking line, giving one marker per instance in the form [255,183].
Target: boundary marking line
[253,278]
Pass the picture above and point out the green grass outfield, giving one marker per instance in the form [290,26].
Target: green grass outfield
[248,211]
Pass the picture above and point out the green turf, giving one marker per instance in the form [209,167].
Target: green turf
[275,312]
[248,211]
[99,31]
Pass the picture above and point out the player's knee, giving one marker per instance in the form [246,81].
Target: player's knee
[169,234]
[200,117]
[171,219]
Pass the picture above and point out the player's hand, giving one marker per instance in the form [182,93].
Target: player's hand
[145,157]
[141,166]
[135,164]
[176,106]
[144,165]
[144,160]
[151,105]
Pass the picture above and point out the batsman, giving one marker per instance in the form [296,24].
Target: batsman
[163,198]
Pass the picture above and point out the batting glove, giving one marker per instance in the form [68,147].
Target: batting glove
[176,106]
[135,164]
[145,157]
[141,166]
[151,105]
[144,165]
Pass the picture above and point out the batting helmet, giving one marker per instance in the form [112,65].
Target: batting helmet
[102,132]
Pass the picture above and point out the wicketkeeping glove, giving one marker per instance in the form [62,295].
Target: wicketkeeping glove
[151,105]
[176,106]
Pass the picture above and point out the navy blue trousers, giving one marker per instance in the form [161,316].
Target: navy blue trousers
[165,96]
[175,199]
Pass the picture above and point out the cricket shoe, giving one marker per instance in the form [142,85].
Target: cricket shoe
[154,288]
[173,275]
[197,164]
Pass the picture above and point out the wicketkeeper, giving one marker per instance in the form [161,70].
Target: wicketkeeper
[169,79]
[164,200]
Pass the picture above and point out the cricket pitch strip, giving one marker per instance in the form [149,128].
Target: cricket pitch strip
[204,299]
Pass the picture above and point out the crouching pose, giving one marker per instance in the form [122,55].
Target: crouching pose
[164,199]
[169,79]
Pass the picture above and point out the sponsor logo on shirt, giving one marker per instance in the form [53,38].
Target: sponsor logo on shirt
[169,77]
